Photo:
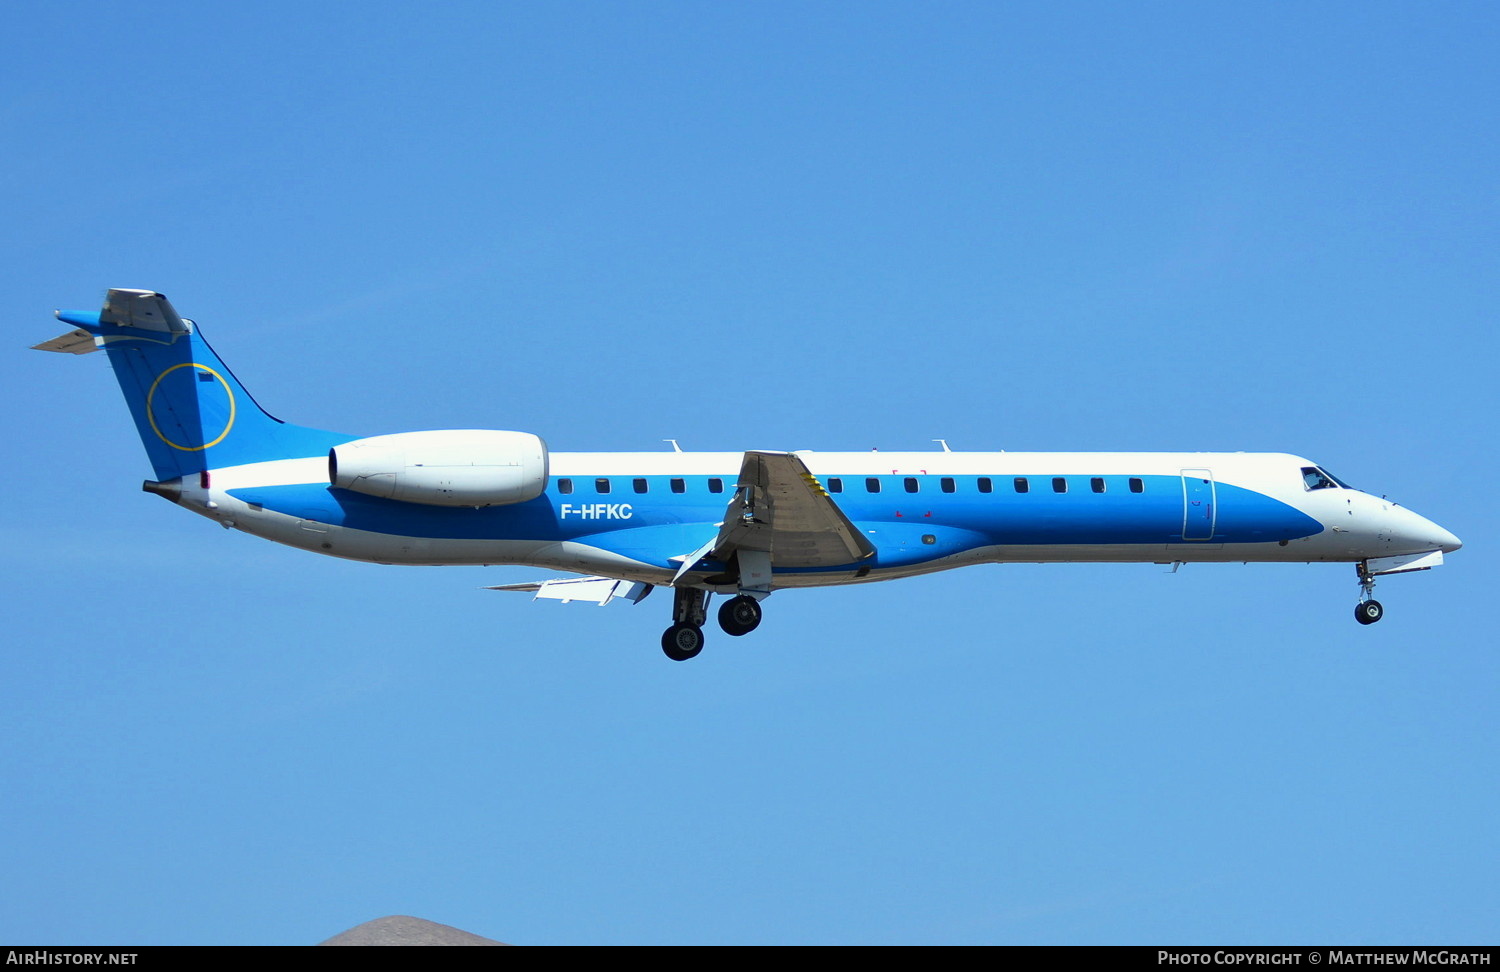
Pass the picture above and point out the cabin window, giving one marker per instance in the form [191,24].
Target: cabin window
[984,484]
[835,485]
[1137,486]
[716,485]
[946,484]
[1023,485]
[565,486]
[639,485]
[679,486]
[601,485]
[1059,484]
[872,485]
[911,484]
[1097,484]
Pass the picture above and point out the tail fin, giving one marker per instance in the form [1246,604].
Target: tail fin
[190,410]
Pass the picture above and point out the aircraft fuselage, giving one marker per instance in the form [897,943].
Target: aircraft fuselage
[629,514]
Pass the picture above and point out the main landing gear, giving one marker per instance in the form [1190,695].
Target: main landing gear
[1368,610]
[684,639]
[739,615]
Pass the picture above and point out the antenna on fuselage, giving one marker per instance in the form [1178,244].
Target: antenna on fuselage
[943,443]
[675,446]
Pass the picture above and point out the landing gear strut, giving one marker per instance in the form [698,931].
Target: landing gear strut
[1368,610]
[684,639]
[740,615]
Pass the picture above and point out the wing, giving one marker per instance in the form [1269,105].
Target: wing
[781,508]
[596,590]
[781,516]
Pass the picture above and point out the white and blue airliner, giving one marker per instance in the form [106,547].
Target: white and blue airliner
[741,525]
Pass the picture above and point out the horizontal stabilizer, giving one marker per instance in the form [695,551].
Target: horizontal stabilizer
[76,341]
[142,309]
[597,590]
[1400,565]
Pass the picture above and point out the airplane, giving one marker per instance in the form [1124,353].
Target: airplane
[741,525]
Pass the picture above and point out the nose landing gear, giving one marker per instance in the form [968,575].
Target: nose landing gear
[1368,610]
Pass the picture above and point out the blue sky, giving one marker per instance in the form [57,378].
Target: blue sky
[1074,226]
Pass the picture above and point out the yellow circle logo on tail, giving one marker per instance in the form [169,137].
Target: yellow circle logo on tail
[193,394]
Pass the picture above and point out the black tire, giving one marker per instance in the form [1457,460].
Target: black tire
[1368,612]
[739,615]
[682,641]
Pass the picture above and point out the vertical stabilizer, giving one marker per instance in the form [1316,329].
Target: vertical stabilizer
[191,412]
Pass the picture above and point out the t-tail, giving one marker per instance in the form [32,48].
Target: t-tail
[192,413]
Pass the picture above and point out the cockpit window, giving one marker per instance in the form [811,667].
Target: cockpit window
[1315,478]
[1334,478]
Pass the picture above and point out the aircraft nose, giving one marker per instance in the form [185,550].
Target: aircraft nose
[1417,531]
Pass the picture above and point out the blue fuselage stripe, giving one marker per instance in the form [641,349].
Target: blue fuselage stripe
[658,523]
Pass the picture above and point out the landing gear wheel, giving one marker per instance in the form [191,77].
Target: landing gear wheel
[1368,612]
[682,641]
[740,615]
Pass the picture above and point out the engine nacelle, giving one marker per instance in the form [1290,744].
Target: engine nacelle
[452,467]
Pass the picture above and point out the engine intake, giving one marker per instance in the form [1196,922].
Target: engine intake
[451,467]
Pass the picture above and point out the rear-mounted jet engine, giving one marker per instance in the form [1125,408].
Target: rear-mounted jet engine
[452,467]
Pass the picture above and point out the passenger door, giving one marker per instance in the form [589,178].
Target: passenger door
[1198,504]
